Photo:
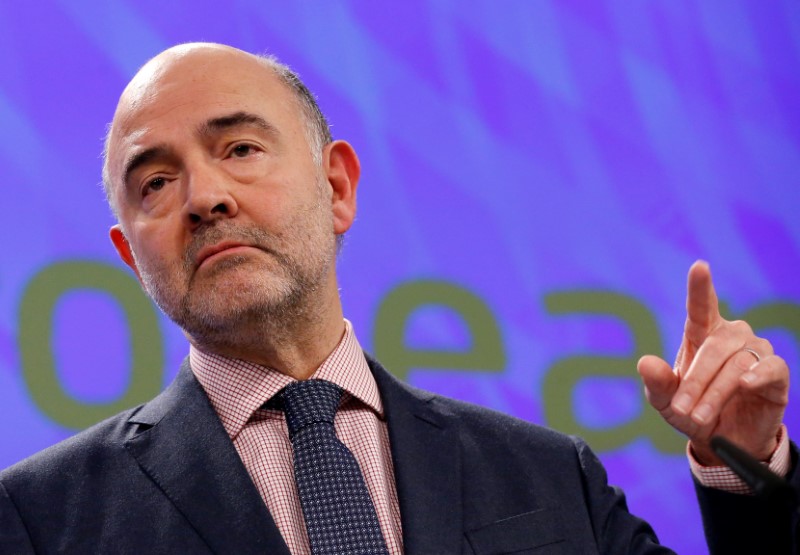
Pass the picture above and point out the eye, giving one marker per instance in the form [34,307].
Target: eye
[153,185]
[243,150]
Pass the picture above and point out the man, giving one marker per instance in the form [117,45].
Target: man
[230,196]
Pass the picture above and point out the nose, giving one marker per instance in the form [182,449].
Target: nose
[208,197]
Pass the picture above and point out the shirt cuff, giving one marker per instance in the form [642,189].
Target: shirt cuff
[725,479]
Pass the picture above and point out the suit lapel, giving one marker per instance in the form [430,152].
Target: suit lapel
[427,466]
[183,447]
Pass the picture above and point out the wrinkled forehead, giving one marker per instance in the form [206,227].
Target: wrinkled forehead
[186,87]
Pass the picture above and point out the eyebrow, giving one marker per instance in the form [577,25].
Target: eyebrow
[144,157]
[238,119]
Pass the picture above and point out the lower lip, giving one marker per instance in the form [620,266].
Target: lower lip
[232,250]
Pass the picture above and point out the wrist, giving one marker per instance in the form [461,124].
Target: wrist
[705,455]
[723,478]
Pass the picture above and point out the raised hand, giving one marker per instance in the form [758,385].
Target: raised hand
[726,380]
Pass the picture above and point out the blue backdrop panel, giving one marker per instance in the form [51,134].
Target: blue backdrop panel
[538,177]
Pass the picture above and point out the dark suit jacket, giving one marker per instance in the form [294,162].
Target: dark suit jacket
[165,478]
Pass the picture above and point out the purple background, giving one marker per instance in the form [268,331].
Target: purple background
[515,149]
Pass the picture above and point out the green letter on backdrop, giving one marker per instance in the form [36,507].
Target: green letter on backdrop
[36,330]
[486,352]
[564,375]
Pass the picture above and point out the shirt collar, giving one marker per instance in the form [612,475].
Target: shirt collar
[237,388]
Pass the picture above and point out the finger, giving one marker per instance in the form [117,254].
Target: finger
[720,348]
[660,383]
[726,382]
[702,306]
[702,314]
[769,379]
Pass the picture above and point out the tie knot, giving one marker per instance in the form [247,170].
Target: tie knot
[309,402]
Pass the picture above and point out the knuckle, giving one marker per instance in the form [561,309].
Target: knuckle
[777,367]
[713,395]
[777,360]
[762,346]
[740,327]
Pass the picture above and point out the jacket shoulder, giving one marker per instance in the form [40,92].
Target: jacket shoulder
[86,449]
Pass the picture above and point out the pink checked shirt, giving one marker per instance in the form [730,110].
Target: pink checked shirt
[237,390]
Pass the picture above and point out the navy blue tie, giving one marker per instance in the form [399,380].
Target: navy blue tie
[339,514]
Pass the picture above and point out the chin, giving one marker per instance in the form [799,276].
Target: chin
[235,304]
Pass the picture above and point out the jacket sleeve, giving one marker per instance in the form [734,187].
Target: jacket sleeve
[616,530]
[736,523]
[14,538]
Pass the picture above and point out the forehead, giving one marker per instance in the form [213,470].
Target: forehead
[171,97]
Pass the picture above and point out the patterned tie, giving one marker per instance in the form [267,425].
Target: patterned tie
[339,514]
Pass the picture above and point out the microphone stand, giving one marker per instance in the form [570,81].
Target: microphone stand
[765,483]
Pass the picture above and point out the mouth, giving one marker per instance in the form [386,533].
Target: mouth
[213,251]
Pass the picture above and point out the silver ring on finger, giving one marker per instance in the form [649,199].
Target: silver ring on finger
[752,352]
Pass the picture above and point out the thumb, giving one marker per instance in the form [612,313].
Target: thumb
[660,382]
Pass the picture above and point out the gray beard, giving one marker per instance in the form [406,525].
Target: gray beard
[276,316]
[245,319]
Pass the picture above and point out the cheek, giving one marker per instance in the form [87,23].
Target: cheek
[164,203]
[156,243]
[269,204]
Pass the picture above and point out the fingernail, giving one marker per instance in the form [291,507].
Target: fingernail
[749,377]
[682,404]
[702,414]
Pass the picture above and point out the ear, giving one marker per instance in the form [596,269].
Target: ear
[343,171]
[123,248]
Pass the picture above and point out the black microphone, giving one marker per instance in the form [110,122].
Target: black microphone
[765,483]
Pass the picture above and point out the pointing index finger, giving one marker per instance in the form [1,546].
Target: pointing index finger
[702,306]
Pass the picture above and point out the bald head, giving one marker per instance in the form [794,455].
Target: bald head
[207,60]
